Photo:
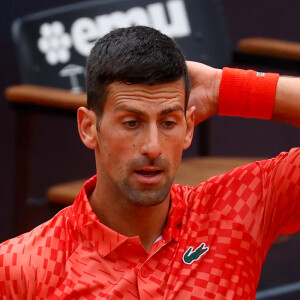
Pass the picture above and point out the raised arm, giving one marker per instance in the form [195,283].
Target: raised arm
[206,83]
[205,90]
[287,101]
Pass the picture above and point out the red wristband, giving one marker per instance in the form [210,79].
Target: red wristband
[247,94]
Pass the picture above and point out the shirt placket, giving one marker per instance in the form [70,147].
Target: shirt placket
[145,285]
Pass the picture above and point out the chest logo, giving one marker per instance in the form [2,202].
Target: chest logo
[191,255]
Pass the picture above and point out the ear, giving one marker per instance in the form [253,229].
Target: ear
[190,119]
[87,121]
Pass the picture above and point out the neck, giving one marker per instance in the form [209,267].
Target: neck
[129,219]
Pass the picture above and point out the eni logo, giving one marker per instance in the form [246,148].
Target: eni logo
[193,255]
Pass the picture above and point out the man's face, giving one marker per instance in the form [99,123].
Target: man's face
[141,136]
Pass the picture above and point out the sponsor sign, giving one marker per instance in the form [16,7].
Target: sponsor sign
[53,45]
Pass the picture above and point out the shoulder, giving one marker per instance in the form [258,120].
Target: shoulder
[218,185]
[283,162]
[242,182]
[53,239]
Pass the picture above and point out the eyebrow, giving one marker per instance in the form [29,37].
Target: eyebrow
[130,109]
[163,112]
[170,110]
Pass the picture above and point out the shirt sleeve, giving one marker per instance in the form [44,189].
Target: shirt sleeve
[15,271]
[263,196]
[281,195]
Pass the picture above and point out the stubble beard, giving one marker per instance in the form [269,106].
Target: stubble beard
[146,197]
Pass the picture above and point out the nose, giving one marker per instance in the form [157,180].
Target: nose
[151,145]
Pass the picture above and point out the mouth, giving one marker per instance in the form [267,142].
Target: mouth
[149,175]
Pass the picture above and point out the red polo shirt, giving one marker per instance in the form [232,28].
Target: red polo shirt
[212,247]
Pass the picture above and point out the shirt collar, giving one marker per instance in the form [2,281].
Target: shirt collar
[176,212]
[104,239]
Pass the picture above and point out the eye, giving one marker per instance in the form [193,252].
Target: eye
[169,124]
[132,124]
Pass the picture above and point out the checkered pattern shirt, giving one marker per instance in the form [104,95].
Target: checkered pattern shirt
[213,246]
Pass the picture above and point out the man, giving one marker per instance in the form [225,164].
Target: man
[131,233]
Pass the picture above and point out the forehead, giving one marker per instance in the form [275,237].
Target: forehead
[158,95]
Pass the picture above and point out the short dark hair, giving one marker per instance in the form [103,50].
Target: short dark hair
[132,55]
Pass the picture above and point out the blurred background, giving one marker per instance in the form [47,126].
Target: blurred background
[59,155]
